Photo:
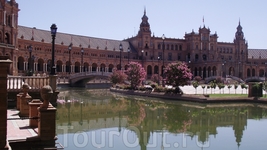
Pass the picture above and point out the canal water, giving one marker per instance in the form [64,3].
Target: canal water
[99,119]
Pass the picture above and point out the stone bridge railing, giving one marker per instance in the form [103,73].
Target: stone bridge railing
[14,83]
[255,78]
[81,74]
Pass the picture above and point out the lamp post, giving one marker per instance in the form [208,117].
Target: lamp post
[70,46]
[82,51]
[142,58]
[129,55]
[163,67]
[120,47]
[158,69]
[239,73]
[53,34]
[222,69]
[30,60]
[265,71]
[225,71]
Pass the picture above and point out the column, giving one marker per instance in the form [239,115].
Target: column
[4,65]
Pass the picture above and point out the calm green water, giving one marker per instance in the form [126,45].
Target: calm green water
[99,119]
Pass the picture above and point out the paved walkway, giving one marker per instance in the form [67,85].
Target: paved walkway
[189,89]
[18,128]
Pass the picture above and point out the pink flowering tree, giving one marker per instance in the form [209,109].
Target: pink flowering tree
[177,74]
[156,78]
[135,74]
[117,76]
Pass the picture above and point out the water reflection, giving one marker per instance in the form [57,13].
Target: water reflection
[97,110]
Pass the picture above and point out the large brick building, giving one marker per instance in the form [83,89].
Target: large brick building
[205,55]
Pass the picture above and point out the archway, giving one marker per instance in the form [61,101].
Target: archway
[110,67]
[59,66]
[94,66]
[77,67]
[40,65]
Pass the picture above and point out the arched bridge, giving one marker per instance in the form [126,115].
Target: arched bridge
[249,79]
[82,78]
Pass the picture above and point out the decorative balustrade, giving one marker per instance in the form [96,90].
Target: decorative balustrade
[14,83]
[89,73]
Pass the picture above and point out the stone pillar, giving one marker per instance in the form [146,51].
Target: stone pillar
[24,100]
[18,100]
[33,112]
[47,116]
[47,123]
[4,67]
[53,81]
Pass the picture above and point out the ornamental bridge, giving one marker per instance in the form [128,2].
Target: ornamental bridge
[239,80]
[82,78]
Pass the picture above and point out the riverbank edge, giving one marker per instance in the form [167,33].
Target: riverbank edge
[189,97]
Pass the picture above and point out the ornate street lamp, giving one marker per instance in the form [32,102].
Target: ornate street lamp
[129,54]
[70,46]
[158,69]
[239,73]
[82,51]
[222,69]
[265,71]
[53,34]
[30,60]
[120,47]
[163,67]
[142,58]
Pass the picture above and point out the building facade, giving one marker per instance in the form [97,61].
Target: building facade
[30,50]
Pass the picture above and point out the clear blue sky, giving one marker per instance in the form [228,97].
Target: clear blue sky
[120,19]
